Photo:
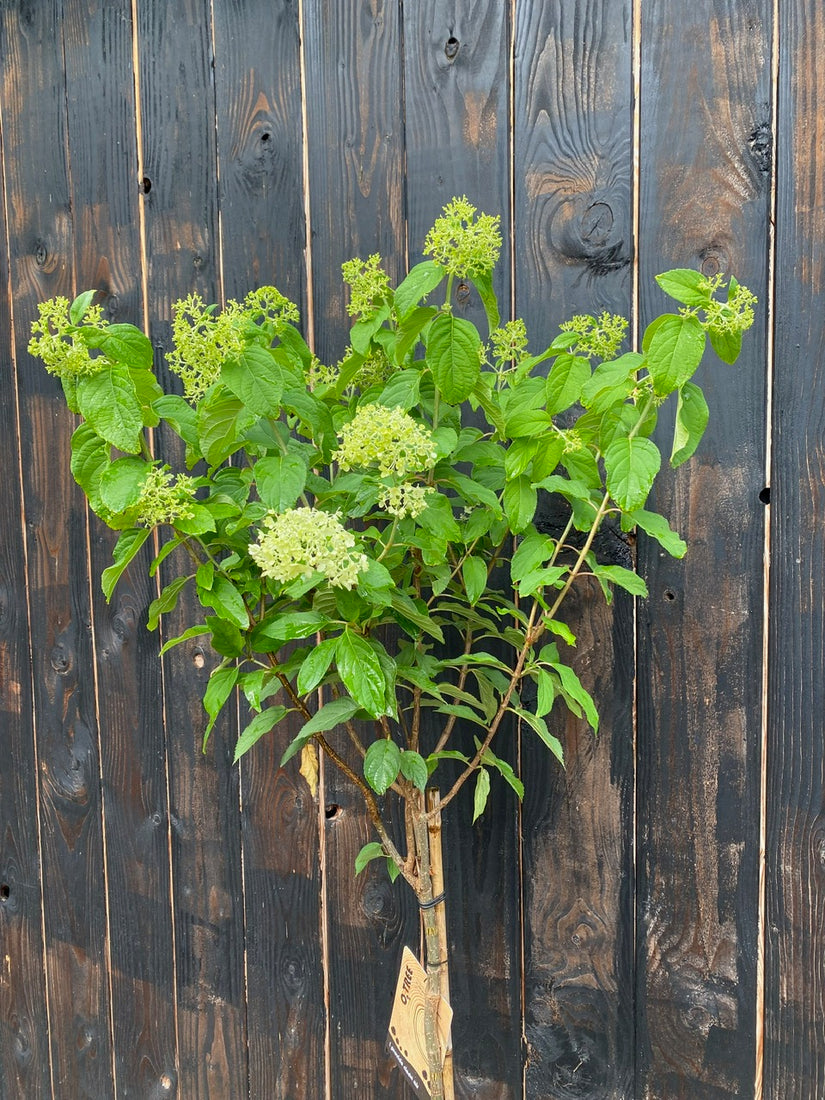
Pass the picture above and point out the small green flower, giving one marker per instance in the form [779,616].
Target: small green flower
[60,350]
[463,244]
[596,337]
[303,541]
[509,341]
[369,285]
[268,306]
[164,498]
[387,438]
[201,343]
[405,500]
[731,317]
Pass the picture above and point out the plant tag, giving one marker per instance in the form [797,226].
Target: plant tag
[405,1039]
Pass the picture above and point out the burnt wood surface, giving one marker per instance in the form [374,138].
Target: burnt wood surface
[173,925]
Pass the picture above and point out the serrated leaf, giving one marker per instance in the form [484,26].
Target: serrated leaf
[452,353]
[533,550]
[692,417]
[315,666]
[573,687]
[632,464]
[684,285]
[193,632]
[280,480]
[289,627]
[420,281]
[369,852]
[546,696]
[328,717]
[221,417]
[658,528]
[108,400]
[519,500]
[256,379]
[221,685]
[226,601]
[382,764]
[483,282]
[625,578]
[474,575]
[121,483]
[127,546]
[675,351]
[481,793]
[727,345]
[539,726]
[361,673]
[491,760]
[79,306]
[414,768]
[563,387]
[122,343]
[166,601]
[90,457]
[261,724]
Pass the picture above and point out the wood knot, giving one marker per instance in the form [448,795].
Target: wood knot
[451,47]
[585,229]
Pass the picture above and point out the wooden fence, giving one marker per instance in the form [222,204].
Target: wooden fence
[651,922]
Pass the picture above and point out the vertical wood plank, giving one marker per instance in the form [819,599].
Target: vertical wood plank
[259,133]
[355,156]
[574,247]
[24,1038]
[794,971]
[98,60]
[705,200]
[180,208]
[41,239]
[457,126]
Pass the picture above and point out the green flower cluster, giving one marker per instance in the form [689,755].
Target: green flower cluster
[732,317]
[164,498]
[269,306]
[369,285]
[387,438]
[405,500]
[303,541]
[509,342]
[463,244]
[61,351]
[596,337]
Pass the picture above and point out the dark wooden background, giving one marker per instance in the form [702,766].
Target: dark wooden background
[651,922]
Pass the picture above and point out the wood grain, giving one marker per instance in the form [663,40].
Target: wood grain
[178,131]
[457,103]
[263,237]
[573,248]
[794,970]
[704,204]
[24,1035]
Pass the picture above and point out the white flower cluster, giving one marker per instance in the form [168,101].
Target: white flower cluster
[405,500]
[387,438]
[303,541]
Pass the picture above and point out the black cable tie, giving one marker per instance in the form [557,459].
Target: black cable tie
[434,902]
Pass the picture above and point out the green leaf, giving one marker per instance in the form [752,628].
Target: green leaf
[474,574]
[417,616]
[519,500]
[289,627]
[533,550]
[166,601]
[483,282]
[727,345]
[226,601]
[221,418]
[193,632]
[564,382]
[540,727]
[684,285]
[414,768]
[658,528]
[491,760]
[121,483]
[382,764]
[675,351]
[280,480]
[256,379]
[328,717]
[108,400]
[369,852]
[79,306]
[402,390]
[180,415]
[221,685]
[122,343]
[90,457]
[625,578]
[361,673]
[692,417]
[632,465]
[421,280]
[315,666]
[573,687]
[481,793]
[546,692]
[261,724]
[452,352]
[127,546]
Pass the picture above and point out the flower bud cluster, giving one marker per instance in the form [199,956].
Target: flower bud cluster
[732,317]
[201,342]
[509,342]
[369,285]
[303,541]
[165,498]
[60,350]
[463,244]
[387,438]
[405,500]
[597,337]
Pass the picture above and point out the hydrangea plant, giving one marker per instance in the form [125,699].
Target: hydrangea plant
[363,533]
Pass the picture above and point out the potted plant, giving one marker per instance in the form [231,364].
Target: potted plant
[360,537]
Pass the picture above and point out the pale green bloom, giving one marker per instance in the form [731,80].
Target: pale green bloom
[303,541]
[733,316]
[387,438]
[509,341]
[202,341]
[599,337]
[165,498]
[368,282]
[463,244]
[63,353]
[268,305]
[405,500]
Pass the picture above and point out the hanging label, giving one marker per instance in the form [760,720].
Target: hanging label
[406,1040]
